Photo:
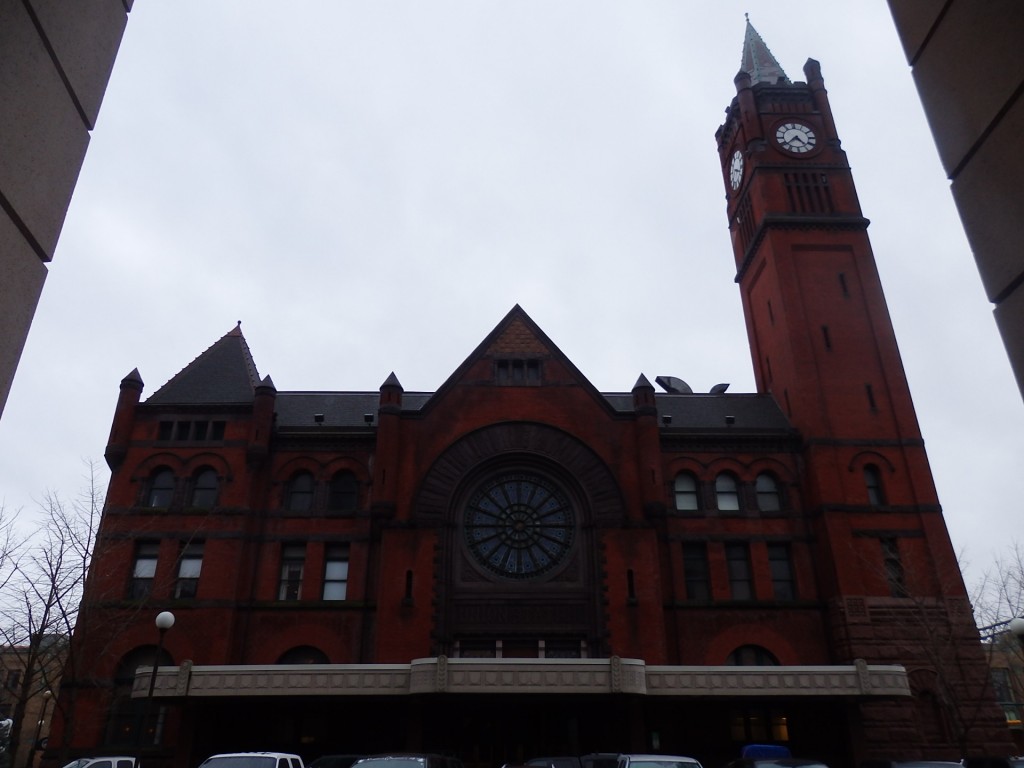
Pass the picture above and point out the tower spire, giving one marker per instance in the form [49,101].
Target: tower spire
[758,61]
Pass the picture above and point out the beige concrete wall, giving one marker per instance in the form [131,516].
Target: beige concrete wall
[55,61]
[968,65]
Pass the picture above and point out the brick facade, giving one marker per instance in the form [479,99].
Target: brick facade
[590,567]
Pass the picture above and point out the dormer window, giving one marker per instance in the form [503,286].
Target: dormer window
[517,372]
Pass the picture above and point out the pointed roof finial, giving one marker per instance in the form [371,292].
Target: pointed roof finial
[758,61]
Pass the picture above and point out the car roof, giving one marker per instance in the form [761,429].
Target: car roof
[251,754]
[662,758]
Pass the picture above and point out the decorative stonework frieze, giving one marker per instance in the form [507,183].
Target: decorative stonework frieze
[858,680]
[504,676]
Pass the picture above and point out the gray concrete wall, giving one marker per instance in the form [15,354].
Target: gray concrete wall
[968,65]
[55,60]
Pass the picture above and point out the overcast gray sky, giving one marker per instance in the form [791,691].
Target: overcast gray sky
[370,186]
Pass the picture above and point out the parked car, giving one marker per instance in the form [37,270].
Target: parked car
[335,761]
[252,760]
[554,762]
[994,762]
[771,756]
[657,761]
[600,760]
[400,760]
[102,762]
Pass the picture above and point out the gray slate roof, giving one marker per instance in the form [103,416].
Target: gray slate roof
[750,412]
[225,373]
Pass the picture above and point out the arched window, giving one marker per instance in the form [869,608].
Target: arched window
[769,498]
[727,492]
[343,495]
[125,724]
[752,656]
[304,654]
[204,489]
[300,493]
[687,499]
[161,488]
[873,481]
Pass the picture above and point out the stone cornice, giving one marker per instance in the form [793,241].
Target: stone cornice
[514,676]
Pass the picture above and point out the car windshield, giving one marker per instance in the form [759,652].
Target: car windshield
[651,763]
[77,763]
[241,761]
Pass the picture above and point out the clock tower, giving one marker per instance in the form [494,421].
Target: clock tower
[823,346]
[820,336]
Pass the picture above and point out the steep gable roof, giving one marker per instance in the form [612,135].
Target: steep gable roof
[224,373]
[516,336]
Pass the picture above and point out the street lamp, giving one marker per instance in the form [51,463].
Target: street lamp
[164,621]
[1016,627]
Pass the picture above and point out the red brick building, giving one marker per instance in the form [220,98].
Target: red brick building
[518,564]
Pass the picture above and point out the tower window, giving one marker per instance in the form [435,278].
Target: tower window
[737,556]
[695,570]
[687,499]
[204,489]
[293,563]
[769,498]
[143,569]
[300,492]
[343,493]
[191,431]
[517,372]
[893,565]
[808,192]
[190,565]
[727,492]
[161,488]
[781,566]
[873,483]
[336,572]
[870,392]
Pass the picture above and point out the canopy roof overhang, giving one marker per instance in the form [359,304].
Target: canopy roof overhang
[496,677]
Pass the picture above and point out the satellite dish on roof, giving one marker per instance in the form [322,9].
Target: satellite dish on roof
[719,388]
[673,385]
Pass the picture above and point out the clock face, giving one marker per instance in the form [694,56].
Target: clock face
[736,169]
[519,525]
[796,137]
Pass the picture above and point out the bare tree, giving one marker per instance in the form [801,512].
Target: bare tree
[45,578]
[999,595]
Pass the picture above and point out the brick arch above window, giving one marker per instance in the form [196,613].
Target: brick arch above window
[208,459]
[603,496]
[141,656]
[751,655]
[144,469]
[759,634]
[859,460]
